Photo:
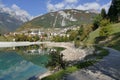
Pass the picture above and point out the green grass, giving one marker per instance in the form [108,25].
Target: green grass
[6,39]
[103,53]
[114,42]
[114,28]
[92,36]
[58,75]
[2,38]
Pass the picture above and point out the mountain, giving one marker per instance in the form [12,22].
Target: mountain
[9,21]
[60,19]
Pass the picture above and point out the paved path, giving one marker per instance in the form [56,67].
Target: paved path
[106,69]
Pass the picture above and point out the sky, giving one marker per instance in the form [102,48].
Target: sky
[33,8]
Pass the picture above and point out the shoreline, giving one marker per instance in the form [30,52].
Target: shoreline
[70,53]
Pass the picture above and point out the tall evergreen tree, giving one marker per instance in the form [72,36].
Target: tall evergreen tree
[103,13]
[114,10]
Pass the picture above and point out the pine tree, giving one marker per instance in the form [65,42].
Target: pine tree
[103,13]
[114,10]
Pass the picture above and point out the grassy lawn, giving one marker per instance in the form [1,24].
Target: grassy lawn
[58,75]
[115,42]
[6,38]
[92,36]
[2,38]
[114,31]
[70,69]
[114,28]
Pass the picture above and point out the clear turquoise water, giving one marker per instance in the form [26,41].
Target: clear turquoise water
[17,66]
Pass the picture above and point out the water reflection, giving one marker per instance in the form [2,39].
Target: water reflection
[14,67]
[21,63]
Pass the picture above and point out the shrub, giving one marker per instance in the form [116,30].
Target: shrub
[77,43]
[104,22]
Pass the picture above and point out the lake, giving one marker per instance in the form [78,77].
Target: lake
[23,63]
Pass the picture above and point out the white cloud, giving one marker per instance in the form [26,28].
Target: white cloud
[89,6]
[66,4]
[106,6]
[21,14]
[71,1]
[16,12]
[71,4]
[50,6]
[59,5]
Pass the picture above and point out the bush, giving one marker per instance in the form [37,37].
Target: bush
[104,22]
[22,37]
[60,38]
[105,31]
[77,43]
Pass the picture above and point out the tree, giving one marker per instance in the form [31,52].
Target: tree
[114,11]
[96,22]
[56,60]
[80,31]
[103,13]
[73,35]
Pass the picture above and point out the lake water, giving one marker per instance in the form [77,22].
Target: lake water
[22,63]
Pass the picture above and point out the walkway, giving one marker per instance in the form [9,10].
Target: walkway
[107,69]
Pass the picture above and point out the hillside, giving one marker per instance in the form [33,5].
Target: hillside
[60,19]
[113,40]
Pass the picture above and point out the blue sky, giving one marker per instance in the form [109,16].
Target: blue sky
[38,7]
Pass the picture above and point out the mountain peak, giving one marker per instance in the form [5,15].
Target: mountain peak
[15,12]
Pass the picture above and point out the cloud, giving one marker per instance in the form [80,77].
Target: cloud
[50,7]
[65,4]
[73,4]
[71,1]
[22,14]
[106,6]
[88,6]
[59,5]
[16,11]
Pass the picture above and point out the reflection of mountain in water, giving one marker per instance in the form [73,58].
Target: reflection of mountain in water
[24,62]
[14,67]
[37,54]
[40,60]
